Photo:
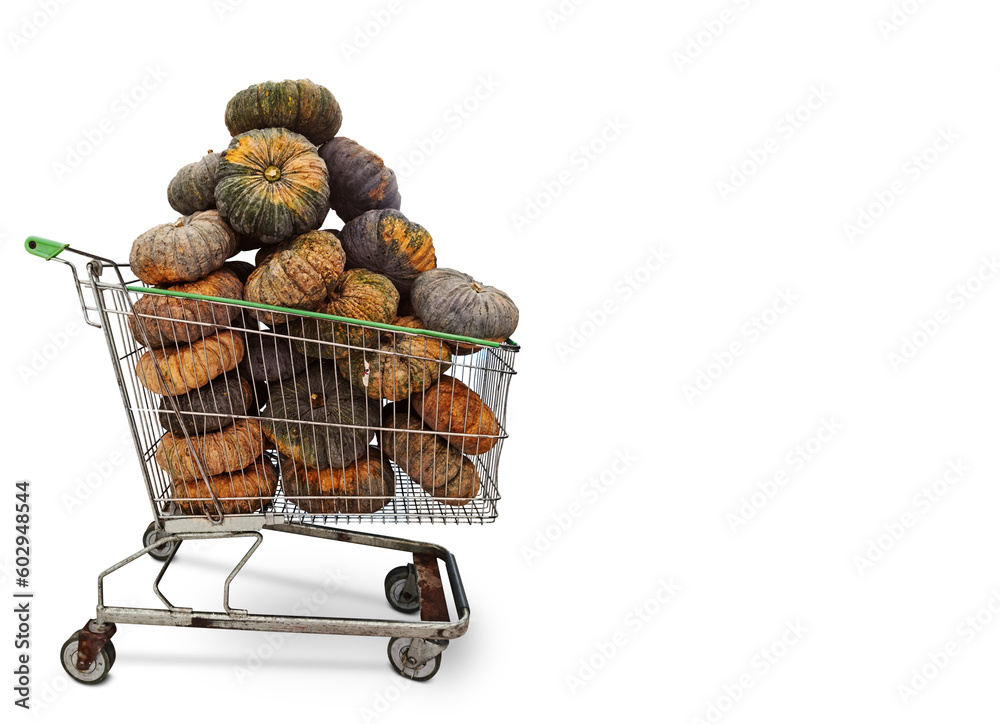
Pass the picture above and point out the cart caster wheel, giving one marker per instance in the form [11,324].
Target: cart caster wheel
[397,595]
[398,648]
[150,536]
[98,669]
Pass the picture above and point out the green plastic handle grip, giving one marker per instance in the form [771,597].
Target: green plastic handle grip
[44,248]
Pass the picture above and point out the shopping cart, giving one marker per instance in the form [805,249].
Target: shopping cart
[234,455]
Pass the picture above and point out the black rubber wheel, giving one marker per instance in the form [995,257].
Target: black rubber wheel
[151,536]
[398,648]
[395,582]
[98,669]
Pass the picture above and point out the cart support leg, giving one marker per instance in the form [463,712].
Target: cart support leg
[93,637]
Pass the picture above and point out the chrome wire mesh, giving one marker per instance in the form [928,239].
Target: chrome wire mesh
[240,412]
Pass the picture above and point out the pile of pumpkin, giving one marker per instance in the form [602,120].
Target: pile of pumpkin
[239,381]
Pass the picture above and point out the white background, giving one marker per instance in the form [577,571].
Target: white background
[594,387]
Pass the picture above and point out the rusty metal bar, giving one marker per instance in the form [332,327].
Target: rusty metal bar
[433,606]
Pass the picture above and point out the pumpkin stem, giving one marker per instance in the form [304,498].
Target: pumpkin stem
[316,400]
[476,286]
[272,173]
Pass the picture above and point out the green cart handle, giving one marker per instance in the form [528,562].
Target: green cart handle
[44,248]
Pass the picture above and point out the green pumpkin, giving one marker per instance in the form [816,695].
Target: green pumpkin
[271,185]
[193,188]
[298,105]
[317,418]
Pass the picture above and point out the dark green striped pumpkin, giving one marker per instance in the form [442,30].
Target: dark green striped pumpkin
[271,185]
[298,105]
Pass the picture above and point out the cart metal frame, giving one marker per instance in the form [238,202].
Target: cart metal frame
[414,647]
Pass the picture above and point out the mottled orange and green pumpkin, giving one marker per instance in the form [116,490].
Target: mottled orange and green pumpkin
[401,365]
[193,188]
[358,294]
[301,106]
[187,250]
[300,274]
[271,185]
[385,241]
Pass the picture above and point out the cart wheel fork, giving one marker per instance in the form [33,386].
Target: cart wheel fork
[91,640]
[417,659]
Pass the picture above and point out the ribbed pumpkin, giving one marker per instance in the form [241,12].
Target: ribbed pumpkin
[270,356]
[299,274]
[298,105]
[409,321]
[451,407]
[193,188]
[271,185]
[358,294]
[450,301]
[359,179]
[210,407]
[168,321]
[441,470]
[319,419]
[239,492]
[193,365]
[184,251]
[362,487]
[386,242]
[401,365]
[231,448]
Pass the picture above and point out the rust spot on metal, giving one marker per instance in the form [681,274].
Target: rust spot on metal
[89,644]
[198,622]
[433,606]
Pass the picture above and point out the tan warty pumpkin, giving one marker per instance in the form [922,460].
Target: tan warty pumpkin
[299,274]
[193,365]
[231,448]
[163,320]
[271,185]
[357,294]
[187,250]
[239,491]
[363,486]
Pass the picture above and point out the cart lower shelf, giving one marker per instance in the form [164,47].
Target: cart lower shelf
[414,649]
